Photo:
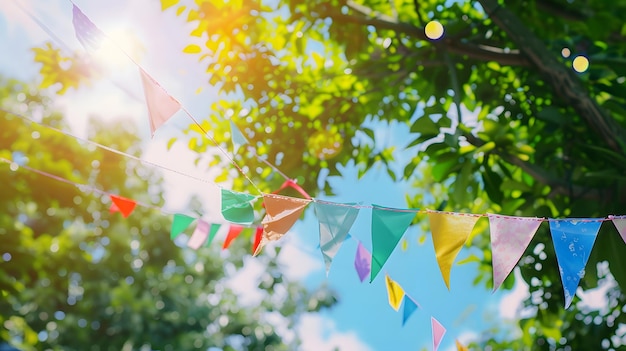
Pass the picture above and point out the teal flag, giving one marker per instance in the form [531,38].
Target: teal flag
[388,226]
[335,222]
[212,232]
[179,224]
[573,240]
[237,137]
[236,207]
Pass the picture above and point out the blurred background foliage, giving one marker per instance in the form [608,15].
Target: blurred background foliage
[75,277]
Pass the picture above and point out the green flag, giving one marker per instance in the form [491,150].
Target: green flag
[388,226]
[236,207]
[180,223]
[214,228]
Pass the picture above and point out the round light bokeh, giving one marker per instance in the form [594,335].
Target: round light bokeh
[433,30]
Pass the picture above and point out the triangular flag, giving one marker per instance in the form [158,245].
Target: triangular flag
[233,232]
[510,237]
[388,226]
[123,205]
[161,106]
[258,234]
[179,224]
[199,235]
[460,347]
[237,137]
[450,231]
[395,293]
[362,262]
[409,307]
[113,208]
[620,225]
[282,212]
[214,228]
[438,332]
[335,222]
[573,240]
[236,207]
[86,32]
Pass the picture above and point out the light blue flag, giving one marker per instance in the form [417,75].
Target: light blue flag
[409,307]
[573,240]
[388,226]
[237,137]
[335,222]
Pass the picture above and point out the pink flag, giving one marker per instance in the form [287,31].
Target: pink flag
[620,225]
[161,106]
[510,237]
[438,332]
[199,235]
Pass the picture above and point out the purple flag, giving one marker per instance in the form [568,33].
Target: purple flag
[86,32]
[362,262]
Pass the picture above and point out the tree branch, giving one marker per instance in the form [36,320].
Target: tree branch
[557,186]
[564,81]
[367,16]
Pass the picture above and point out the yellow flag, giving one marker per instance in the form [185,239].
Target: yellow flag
[394,292]
[460,347]
[450,231]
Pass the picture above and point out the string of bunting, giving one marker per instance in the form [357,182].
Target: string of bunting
[573,238]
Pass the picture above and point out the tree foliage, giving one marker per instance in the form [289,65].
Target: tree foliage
[75,277]
[500,122]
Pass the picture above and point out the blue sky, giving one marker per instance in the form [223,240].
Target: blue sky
[363,319]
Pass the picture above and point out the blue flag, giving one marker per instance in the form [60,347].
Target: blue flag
[409,307]
[335,222]
[573,240]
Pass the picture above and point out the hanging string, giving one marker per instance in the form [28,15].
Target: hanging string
[81,187]
[250,148]
[186,111]
[107,148]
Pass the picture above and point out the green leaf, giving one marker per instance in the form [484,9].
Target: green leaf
[469,259]
[425,126]
[192,49]
[165,4]
[442,170]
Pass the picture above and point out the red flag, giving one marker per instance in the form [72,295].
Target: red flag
[233,232]
[121,204]
[161,106]
[257,238]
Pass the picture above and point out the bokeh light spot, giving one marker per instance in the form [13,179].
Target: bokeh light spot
[580,64]
[433,30]
[566,52]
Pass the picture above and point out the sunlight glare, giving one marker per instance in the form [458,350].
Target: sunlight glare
[112,51]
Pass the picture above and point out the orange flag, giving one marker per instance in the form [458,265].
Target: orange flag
[161,106]
[450,231]
[282,212]
[121,204]
[233,232]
